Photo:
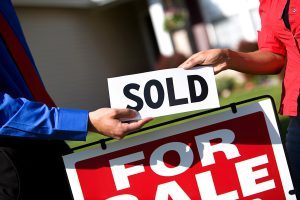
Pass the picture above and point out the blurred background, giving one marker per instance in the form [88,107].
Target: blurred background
[78,44]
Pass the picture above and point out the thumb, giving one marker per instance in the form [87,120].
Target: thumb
[218,68]
[138,124]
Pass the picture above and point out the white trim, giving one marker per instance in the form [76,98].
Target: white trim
[163,38]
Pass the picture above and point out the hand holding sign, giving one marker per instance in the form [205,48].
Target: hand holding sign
[165,92]
[107,121]
[217,58]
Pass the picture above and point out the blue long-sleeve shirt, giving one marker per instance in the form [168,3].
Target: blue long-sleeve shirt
[26,110]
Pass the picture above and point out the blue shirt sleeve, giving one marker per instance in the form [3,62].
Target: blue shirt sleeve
[23,118]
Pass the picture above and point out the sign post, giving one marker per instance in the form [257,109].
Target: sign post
[226,156]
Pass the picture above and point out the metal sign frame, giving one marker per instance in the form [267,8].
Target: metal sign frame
[232,106]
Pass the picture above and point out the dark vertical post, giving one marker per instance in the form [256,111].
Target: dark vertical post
[197,25]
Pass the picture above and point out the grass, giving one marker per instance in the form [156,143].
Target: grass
[236,96]
[274,91]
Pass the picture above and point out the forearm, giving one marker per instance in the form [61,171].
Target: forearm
[23,118]
[257,62]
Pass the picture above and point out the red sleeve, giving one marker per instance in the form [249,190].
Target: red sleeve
[267,39]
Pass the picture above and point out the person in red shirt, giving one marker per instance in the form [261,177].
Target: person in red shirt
[278,42]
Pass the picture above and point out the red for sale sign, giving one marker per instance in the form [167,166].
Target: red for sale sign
[222,157]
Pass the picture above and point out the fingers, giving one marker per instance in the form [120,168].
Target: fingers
[124,113]
[219,68]
[194,60]
[136,125]
[126,128]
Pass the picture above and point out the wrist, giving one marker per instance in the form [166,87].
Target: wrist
[91,126]
[228,58]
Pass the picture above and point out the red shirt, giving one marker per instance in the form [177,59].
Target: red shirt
[275,37]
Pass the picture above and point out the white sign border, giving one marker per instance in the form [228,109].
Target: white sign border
[264,106]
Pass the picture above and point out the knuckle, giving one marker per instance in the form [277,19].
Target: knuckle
[192,60]
[114,112]
[200,53]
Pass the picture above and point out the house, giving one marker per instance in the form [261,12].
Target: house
[78,44]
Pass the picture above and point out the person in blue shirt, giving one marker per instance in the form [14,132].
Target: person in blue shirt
[33,129]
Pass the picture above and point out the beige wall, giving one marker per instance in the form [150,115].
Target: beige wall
[77,49]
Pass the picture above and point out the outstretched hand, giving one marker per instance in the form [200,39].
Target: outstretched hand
[106,121]
[218,58]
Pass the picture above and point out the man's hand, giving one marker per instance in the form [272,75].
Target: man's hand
[107,122]
[218,58]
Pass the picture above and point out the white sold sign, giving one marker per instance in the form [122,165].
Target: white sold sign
[165,92]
